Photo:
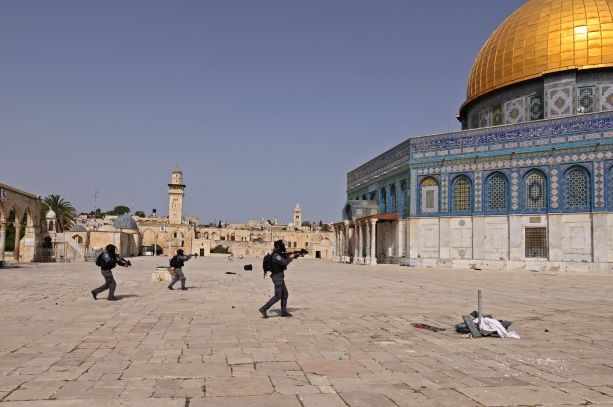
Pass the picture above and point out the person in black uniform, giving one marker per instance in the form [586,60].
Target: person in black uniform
[280,260]
[107,262]
[180,260]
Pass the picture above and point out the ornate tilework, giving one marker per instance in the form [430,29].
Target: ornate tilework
[535,106]
[577,189]
[485,118]
[610,188]
[444,193]
[497,116]
[514,111]
[478,183]
[461,194]
[515,190]
[606,98]
[496,193]
[560,102]
[535,191]
[593,127]
[429,195]
[500,164]
[555,188]
[586,99]
[599,184]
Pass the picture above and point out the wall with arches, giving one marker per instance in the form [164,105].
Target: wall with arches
[24,209]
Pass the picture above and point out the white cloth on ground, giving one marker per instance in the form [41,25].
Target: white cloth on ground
[493,325]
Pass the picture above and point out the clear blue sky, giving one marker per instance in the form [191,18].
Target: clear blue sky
[261,103]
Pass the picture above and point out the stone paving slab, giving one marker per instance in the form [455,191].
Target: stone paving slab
[350,342]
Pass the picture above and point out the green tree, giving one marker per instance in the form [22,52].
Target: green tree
[119,210]
[219,225]
[326,228]
[65,212]
[220,249]
[140,213]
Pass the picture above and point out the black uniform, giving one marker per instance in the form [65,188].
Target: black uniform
[279,264]
[110,261]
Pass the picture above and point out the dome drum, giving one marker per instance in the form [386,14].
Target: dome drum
[536,47]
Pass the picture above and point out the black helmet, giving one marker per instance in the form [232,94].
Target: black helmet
[280,246]
[180,252]
[110,249]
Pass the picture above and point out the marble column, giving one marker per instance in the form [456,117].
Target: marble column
[360,227]
[2,241]
[335,245]
[366,227]
[373,242]
[356,242]
[342,240]
[17,226]
[400,238]
[345,241]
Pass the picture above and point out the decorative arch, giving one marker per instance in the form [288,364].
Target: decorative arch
[610,187]
[461,194]
[429,190]
[404,190]
[497,192]
[393,199]
[577,189]
[78,239]
[383,200]
[535,190]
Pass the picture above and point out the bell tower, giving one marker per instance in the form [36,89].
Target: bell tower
[297,217]
[176,192]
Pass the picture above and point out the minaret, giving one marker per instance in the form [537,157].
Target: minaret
[297,217]
[176,192]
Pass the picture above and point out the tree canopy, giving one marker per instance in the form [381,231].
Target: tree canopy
[66,215]
[119,210]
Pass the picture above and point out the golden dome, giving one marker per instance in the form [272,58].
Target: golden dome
[544,36]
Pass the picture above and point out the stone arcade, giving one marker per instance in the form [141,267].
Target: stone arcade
[528,182]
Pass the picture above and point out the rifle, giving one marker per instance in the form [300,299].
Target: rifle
[297,253]
[123,262]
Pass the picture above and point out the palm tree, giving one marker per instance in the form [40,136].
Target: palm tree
[65,212]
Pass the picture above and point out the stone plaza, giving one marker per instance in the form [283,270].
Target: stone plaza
[349,343]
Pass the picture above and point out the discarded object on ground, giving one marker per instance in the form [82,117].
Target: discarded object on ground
[480,325]
[428,327]
[230,272]
[248,267]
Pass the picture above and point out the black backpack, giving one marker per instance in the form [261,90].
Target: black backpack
[174,262]
[267,263]
[103,263]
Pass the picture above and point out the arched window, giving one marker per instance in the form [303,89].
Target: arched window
[577,191]
[383,200]
[429,195]
[373,196]
[393,199]
[535,191]
[610,188]
[405,197]
[496,199]
[461,194]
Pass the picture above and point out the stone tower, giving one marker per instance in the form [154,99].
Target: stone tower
[297,216]
[176,192]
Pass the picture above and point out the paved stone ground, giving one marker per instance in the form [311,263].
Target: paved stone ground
[349,343]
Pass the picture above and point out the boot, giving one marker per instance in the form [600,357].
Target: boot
[285,313]
[112,298]
[94,295]
[263,312]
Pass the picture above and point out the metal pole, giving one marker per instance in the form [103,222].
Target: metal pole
[479,309]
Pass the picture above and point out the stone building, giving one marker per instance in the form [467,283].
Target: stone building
[20,211]
[529,179]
